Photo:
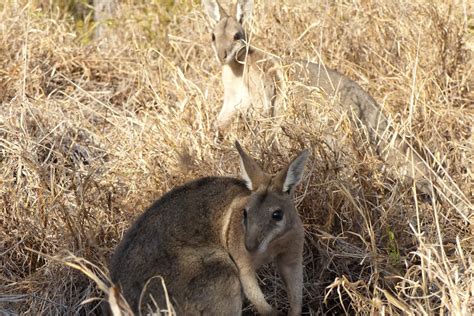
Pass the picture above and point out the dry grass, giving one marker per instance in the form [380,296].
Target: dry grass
[91,133]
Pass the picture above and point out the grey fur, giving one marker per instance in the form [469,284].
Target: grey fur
[196,238]
[254,79]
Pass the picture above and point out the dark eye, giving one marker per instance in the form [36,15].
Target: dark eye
[277,215]
[238,36]
[244,213]
[213,37]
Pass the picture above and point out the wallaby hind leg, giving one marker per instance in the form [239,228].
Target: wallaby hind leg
[215,291]
[152,297]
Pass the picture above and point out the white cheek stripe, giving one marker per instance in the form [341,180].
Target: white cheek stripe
[269,238]
[225,224]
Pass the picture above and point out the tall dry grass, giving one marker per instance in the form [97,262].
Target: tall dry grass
[91,133]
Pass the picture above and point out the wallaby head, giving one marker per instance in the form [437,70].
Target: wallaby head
[270,212]
[228,35]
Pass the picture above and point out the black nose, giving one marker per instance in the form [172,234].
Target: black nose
[251,246]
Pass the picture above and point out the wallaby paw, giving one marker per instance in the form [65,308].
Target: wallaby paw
[294,312]
[273,312]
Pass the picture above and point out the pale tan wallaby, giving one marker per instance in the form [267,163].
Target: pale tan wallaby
[252,78]
[207,238]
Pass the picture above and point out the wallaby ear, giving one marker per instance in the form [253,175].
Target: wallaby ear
[243,10]
[291,176]
[250,171]
[214,10]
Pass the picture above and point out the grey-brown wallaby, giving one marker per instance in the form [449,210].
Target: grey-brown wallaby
[254,79]
[207,238]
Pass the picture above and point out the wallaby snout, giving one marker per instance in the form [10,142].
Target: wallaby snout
[254,238]
[226,53]
[228,41]
[251,244]
[264,230]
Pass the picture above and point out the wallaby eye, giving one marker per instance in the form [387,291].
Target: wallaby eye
[238,36]
[277,215]
[213,37]
[244,213]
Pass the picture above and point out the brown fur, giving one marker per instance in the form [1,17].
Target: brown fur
[197,239]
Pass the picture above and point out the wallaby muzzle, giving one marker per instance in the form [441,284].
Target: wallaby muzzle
[251,244]
[253,237]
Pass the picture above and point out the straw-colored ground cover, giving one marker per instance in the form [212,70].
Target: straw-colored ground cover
[92,132]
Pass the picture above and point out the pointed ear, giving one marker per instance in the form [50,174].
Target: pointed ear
[250,171]
[214,10]
[243,10]
[291,176]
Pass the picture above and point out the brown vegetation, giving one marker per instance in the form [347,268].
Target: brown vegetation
[91,134]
